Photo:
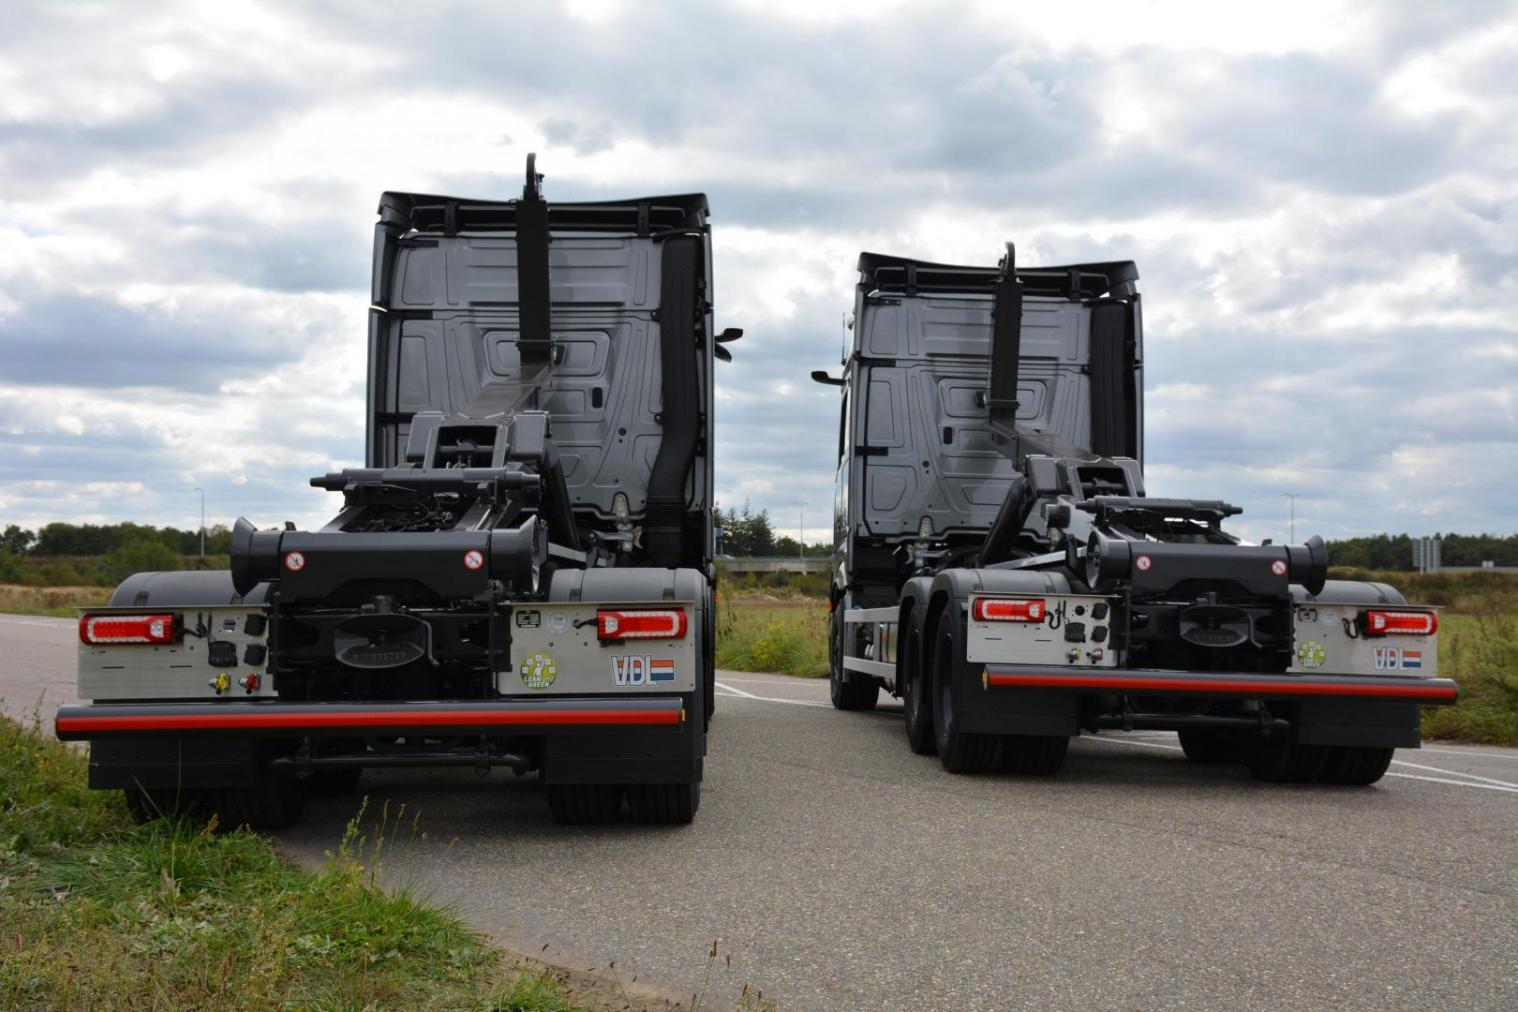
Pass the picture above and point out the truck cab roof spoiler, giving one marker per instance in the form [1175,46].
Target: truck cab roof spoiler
[885,273]
[425,212]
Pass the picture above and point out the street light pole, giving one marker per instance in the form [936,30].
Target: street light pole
[202,521]
[1293,497]
[801,534]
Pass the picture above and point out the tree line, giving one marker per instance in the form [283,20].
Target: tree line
[70,555]
[103,539]
[1387,551]
[746,534]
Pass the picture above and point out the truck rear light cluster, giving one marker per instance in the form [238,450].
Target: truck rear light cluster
[101,630]
[1400,623]
[989,609]
[651,624]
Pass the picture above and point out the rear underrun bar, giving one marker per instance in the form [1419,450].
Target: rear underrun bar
[108,720]
[1425,691]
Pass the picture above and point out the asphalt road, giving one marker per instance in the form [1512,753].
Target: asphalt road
[840,871]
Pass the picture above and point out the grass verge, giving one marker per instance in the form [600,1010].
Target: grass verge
[59,602]
[1480,652]
[99,913]
[1478,648]
[1464,593]
[765,632]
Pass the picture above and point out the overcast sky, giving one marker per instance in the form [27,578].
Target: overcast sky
[1322,201]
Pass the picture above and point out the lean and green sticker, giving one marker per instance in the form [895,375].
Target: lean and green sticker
[539,671]
[1311,654]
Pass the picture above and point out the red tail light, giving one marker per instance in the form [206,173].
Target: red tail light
[100,630]
[1400,623]
[990,609]
[663,624]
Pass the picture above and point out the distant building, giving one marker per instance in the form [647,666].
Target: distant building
[1426,554]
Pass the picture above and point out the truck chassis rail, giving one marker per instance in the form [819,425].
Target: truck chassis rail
[1424,691]
[299,720]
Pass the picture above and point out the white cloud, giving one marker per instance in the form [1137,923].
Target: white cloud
[1320,198]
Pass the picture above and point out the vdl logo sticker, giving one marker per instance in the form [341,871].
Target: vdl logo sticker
[1398,659]
[641,669]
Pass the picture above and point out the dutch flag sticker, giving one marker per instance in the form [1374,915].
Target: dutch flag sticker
[660,670]
[1412,658]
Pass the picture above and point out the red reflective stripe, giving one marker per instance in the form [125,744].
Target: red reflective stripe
[410,718]
[1242,686]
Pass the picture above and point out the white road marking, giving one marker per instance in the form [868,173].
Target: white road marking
[740,694]
[1491,785]
[1458,773]
[1437,769]
[1126,741]
[1457,783]
[736,692]
[818,682]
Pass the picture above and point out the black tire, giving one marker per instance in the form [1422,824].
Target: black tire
[584,804]
[1356,765]
[274,804]
[958,751]
[848,692]
[335,783]
[147,804]
[663,804]
[1039,755]
[1279,760]
[1210,747]
[916,691]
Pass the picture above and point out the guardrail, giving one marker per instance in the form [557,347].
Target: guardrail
[774,565]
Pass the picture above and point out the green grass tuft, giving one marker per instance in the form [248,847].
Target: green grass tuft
[59,602]
[100,913]
[1480,652]
[1475,593]
[780,584]
[788,636]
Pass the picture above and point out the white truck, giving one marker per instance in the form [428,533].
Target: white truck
[522,574]
[1001,569]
